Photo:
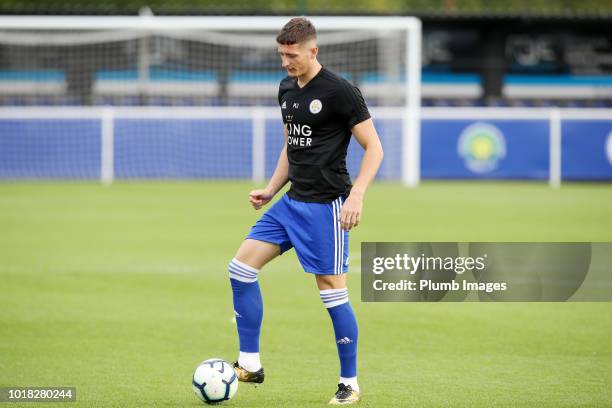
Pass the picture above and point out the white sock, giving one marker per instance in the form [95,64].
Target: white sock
[249,361]
[349,381]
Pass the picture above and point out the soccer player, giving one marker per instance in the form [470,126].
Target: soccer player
[320,111]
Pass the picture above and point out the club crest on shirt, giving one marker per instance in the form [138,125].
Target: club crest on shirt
[315,106]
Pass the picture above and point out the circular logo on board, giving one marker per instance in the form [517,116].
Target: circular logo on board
[481,145]
[315,106]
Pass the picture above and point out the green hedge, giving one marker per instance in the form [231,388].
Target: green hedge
[540,7]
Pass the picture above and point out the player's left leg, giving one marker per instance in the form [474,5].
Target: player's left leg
[334,294]
[322,248]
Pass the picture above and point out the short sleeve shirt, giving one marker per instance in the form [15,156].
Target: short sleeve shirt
[318,118]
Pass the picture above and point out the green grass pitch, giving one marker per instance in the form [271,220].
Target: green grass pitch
[121,291]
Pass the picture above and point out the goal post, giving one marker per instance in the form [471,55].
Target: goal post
[107,63]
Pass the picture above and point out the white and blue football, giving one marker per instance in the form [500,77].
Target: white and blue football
[214,381]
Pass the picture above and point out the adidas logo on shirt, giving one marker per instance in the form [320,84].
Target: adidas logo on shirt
[344,340]
[284,105]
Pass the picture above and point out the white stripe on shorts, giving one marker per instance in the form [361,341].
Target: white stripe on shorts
[338,237]
[342,232]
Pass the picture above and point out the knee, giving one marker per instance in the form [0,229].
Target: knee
[256,254]
[331,281]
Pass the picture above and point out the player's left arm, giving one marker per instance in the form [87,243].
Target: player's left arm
[366,135]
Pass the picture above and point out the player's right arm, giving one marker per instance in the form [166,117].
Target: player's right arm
[260,197]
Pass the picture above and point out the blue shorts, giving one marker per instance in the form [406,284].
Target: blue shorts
[313,229]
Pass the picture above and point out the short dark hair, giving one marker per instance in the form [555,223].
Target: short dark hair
[297,30]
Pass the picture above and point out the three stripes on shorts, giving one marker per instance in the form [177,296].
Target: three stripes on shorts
[338,237]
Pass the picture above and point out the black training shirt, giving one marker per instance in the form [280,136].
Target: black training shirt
[318,119]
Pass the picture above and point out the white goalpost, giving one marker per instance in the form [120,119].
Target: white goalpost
[193,87]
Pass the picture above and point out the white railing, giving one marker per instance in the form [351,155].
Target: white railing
[258,115]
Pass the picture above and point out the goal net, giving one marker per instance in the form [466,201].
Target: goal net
[186,97]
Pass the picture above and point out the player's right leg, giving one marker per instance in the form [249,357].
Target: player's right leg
[248,306]
[266,240]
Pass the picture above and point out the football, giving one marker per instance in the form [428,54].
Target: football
[214,381]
